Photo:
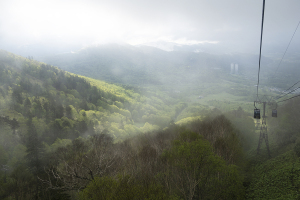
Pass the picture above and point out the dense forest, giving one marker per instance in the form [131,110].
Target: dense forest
[66,136]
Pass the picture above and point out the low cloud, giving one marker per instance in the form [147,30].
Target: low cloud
[82,23]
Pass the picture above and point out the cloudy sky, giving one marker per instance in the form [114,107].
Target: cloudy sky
[234,23]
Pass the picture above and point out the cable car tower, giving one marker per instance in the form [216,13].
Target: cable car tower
[263,128]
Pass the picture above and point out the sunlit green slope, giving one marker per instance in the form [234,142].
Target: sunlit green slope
[53,96]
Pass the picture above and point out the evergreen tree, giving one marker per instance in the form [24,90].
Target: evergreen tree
[14,125]
[47,112]
[2,92]
[34,153]
[17,96]
[81,127]
[27,107]
[69,112]
[38,108]
[59,111]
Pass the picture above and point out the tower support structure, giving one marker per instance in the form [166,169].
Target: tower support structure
[263,130]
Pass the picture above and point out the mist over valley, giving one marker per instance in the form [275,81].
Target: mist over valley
[149,99]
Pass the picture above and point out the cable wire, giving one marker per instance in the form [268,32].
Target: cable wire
[289,98]
[289,92]
[262,27]
[278,96]
[286,49]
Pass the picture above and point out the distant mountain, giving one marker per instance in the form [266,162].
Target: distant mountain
[146,65]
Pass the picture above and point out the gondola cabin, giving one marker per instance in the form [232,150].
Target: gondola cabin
[256,113]
[274,113]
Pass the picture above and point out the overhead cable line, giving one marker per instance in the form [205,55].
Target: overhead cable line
[289,98]
[289,92]
[262,27]
[277,97]
[286,49]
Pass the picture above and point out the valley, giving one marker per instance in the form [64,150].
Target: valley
[140,125]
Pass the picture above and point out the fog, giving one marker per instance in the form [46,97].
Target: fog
[41,28]
[145,99]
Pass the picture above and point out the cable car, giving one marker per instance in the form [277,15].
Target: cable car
[274,113]
[257,113]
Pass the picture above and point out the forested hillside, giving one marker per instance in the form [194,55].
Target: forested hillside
[48,93]
[62,133]
[65,136]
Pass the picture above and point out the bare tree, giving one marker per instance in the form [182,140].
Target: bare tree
[81,162]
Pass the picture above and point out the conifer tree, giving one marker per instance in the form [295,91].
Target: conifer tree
[34,153]
[17,96]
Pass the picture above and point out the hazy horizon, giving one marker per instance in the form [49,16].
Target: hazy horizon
[46,27]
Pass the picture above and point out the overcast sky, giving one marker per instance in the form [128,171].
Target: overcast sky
[235,23]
